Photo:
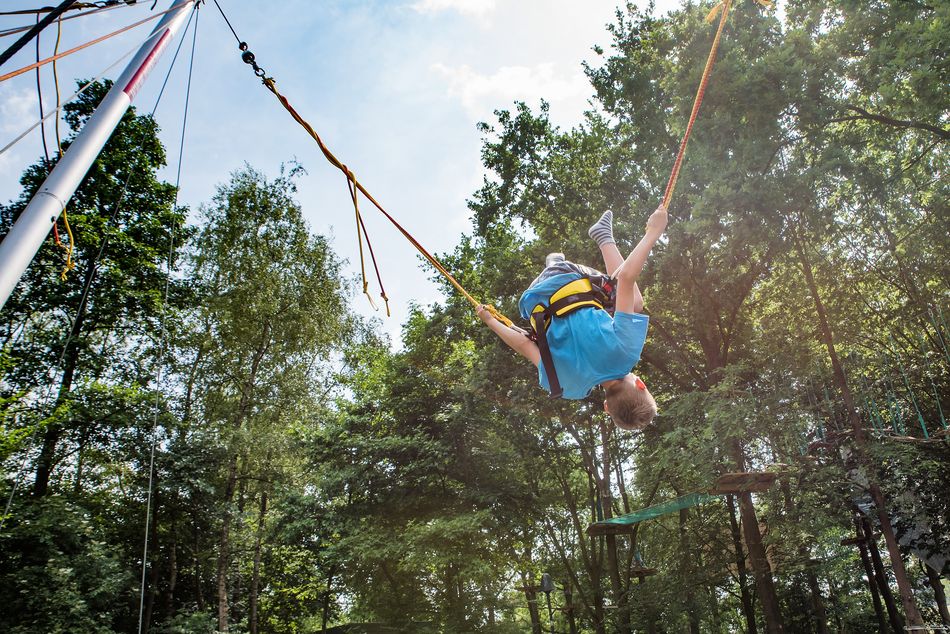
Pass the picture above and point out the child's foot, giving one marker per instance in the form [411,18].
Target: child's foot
[552,259]
[602,231]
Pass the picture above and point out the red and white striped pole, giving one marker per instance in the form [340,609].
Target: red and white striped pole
[25,238]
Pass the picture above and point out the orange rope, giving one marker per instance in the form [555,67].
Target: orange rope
[354,196]
[671,184]
[354,183]
[722,9]
[355,186]
[43,62]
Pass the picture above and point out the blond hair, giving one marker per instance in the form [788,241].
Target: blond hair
[629,406]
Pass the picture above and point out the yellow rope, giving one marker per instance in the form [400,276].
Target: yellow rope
[359,236]
[70,265]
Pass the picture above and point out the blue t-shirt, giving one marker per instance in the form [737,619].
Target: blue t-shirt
[588,346]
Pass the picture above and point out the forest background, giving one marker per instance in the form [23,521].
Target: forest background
[308,475]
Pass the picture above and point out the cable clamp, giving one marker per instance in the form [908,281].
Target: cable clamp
[62,204]
[248,58]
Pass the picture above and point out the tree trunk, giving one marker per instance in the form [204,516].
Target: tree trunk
[939,595]
[592,550]
[531,596]
[151,595]
[172,570]
[224,546]
[860,440]
[747,608]
[817,604]
[45,461]
[686,573]
[761,571]
[247,390]
[651,621]
[44,464]
[714,608]
[151,590]
[569,607]
[833,595]
[869,571]
[199,595]
[256,572]
[893,615]
[613,565]
[327,596]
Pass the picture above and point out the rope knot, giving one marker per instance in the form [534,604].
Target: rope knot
[494,312]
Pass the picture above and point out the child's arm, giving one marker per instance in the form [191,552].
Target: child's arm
[515,339]
[629,299]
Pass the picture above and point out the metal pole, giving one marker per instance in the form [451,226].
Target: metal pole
[48,19]
[25,238]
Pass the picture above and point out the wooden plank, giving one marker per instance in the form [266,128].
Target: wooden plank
[643,572]
[598,529]
[753,482]
[907,439]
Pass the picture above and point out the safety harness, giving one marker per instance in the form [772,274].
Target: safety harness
[596,291]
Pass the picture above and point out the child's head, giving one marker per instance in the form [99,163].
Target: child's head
[629,403]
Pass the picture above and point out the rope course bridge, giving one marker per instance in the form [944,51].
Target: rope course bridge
[726,484]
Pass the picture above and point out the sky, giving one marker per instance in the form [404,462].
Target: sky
[394,87]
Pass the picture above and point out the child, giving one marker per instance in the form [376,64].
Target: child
[588,346]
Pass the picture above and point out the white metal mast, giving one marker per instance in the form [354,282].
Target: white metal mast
[25,238]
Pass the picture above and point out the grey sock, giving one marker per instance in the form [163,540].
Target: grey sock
[602,231]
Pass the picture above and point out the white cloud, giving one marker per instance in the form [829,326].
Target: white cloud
[480,94]
[18,109]
[477,8]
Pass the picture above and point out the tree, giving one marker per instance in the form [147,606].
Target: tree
[271,313]
[121,216]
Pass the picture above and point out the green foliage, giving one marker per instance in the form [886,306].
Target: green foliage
[308,474]
[58,575]
[121,203]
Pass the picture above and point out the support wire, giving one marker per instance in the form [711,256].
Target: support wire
[162,319]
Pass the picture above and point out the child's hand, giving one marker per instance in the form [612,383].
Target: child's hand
[484,314]
[657,221]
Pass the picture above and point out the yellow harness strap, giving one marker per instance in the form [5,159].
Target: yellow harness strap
[582,285]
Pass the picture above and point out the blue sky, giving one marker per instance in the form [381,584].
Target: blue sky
[395,88]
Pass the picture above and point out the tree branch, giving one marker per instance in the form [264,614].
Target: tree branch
[864,115]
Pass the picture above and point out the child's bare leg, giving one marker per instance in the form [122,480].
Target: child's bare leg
[612,257]
[602,232]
